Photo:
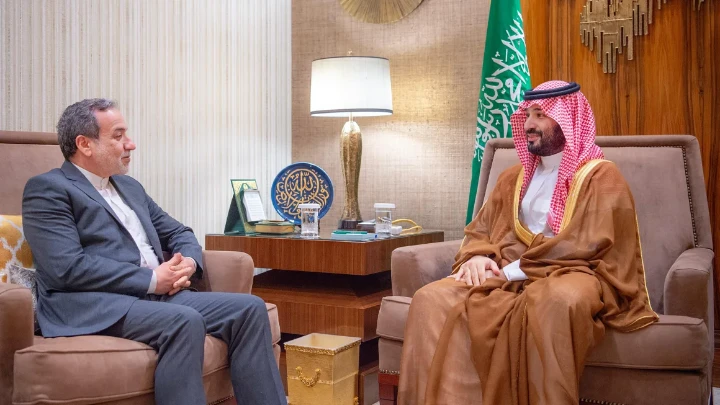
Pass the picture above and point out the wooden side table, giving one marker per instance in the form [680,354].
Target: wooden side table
[326,286]
[322,285]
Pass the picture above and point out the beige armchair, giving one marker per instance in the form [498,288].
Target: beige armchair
[669,362]
[93,369]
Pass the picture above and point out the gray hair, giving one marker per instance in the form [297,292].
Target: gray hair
[79,119]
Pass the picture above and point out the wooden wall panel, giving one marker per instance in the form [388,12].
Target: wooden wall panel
[671,87]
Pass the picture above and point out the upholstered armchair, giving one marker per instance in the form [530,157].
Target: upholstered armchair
[93,369]
[669,362]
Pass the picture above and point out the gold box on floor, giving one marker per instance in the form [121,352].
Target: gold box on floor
[322,369]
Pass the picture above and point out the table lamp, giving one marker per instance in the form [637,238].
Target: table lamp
[350,86]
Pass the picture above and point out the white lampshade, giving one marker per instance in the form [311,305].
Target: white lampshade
[357,85]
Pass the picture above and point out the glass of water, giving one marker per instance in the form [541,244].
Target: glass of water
[309,220]
[383,219]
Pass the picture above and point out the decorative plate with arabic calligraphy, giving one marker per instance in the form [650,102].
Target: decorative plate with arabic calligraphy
[301,183]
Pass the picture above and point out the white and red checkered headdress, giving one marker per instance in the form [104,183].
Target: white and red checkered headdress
[564,103]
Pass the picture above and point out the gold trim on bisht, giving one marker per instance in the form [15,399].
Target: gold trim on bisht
[525,236]
[642,261]
[316,350]
[635,325]
[522,232]
[574,194]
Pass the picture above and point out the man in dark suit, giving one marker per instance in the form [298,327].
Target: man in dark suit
[97,239]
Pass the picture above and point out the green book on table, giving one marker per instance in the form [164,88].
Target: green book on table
[275,227]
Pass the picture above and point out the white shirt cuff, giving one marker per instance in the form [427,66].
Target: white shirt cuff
[153,283]
[513,272]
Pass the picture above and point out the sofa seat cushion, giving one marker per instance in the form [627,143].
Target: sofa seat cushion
[672,343]
[647,348]
[91,369]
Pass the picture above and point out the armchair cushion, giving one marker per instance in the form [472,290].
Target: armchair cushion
[686,284]
[274,322]
[26,278]
[16,332]
[91,369]
[227,271]
[392,318]
[14,249]
[672,343]
[645,349]
[412,267]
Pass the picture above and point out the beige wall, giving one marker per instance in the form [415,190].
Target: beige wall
[420,157]
[204,86]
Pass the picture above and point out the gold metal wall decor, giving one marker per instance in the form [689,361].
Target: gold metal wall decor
[379,11]
[608,26]
[611,25]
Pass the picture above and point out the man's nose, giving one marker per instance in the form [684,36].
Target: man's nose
[530,124]
[130,145]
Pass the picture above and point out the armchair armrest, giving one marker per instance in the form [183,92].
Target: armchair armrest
[16,332]
[412,267]
[227,271]
[688,285]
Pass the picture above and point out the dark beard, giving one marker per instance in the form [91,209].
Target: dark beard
[548,145]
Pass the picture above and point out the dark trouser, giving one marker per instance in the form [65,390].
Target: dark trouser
[175,326]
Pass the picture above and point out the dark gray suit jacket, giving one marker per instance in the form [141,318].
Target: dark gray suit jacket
[88,266]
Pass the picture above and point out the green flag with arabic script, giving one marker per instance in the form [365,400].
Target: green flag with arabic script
[505,78]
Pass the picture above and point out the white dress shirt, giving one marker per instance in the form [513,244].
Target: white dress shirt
[536,205]
[129,220]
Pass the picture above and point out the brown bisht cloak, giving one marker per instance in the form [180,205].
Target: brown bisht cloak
[597,250]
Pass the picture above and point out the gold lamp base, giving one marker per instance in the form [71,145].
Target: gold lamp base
[350,156]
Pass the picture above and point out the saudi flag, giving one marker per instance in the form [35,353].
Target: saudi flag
[505,77]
